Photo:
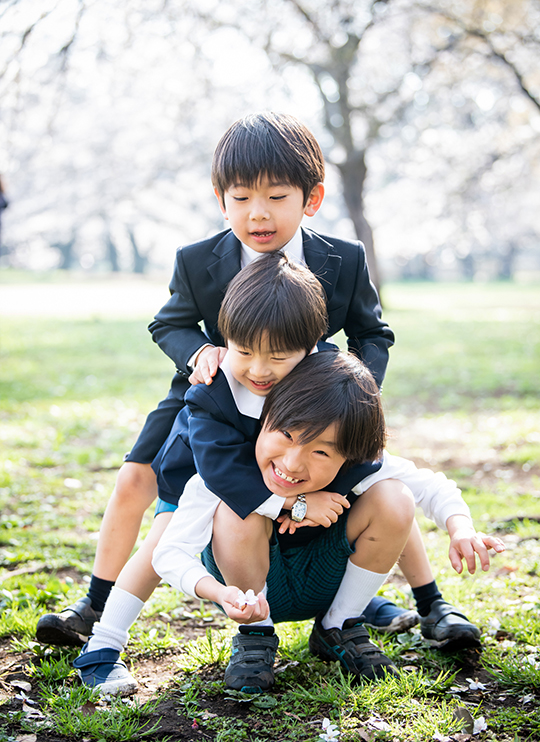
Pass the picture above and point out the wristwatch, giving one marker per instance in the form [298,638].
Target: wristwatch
[299,509]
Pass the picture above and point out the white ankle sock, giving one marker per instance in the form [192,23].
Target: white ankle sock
[357,588]
[121,611]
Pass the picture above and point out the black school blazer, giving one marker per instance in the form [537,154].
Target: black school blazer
[204,269]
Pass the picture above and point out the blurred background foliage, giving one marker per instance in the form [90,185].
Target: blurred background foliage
[428,112]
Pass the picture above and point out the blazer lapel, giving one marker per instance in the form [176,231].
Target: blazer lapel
[227,263]
[322,261]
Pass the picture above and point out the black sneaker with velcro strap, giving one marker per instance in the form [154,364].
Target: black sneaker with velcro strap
[251,668]
[352,647]
[69,628]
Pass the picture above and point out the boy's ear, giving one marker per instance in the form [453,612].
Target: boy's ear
[221,203]
[315,200]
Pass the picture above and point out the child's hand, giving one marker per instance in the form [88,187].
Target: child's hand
[247,613]
[466,543]
[323,509]
[288,524]
[207,365]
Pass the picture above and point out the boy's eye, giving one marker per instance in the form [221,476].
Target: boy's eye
[277,198]
[287,434]
[240,198]
[322,453]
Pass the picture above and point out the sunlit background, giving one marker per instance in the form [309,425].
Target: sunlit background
[428,114]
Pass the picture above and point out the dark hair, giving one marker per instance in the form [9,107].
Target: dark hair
[276,299]
[275,145]
[326,388]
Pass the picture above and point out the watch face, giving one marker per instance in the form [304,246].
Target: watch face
[298,511]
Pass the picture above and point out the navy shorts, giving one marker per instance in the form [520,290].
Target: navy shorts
[302,581]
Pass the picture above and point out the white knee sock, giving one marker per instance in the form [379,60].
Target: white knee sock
[357,588]
[121,611]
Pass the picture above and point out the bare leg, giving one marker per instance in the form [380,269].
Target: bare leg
[241,548]
[379,524]
[414,562]
[138,576]
[135,490]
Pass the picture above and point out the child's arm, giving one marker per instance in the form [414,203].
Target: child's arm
[176,326]
[208,588]
[368,336]
[441,501]
[175,557]
[323,509]
[223,445]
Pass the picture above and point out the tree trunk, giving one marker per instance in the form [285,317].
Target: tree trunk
[140,261]
[353,175]
[66,252]
[112,253]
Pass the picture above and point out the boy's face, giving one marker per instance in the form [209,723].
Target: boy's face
[291,468]
[259,369]
[266,216]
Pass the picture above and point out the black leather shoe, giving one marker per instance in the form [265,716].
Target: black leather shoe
[449,629]
[69,628]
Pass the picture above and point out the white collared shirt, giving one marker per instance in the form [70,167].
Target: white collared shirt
[294,248]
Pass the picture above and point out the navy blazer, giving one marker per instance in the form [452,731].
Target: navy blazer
[211,436]
[203,270]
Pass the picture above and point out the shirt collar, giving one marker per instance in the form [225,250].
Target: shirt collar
[294,248]
[247,403]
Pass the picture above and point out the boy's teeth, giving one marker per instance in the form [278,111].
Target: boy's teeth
[285,477]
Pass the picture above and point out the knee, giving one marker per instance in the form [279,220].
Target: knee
[228,526]
[394,504]
[135,485]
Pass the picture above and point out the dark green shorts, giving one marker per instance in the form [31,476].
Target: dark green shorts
[302,581]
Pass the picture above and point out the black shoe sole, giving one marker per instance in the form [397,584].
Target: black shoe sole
[54,631]
[456,643]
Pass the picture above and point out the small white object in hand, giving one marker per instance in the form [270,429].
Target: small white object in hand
[247,598]
[330,731]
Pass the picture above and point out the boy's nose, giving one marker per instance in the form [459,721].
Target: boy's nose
[259,369]
[292,460]
[259,211]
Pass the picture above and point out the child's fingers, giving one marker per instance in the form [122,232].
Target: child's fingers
[492,542]
[483,555]
[455,560]
[196,378]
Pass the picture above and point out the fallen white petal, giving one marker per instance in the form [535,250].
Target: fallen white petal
[479,725]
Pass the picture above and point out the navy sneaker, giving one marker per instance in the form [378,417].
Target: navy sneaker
[103,669]
[251,668]
[383,615]
[352,647]
[69,628]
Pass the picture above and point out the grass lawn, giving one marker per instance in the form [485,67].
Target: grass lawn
[462,395]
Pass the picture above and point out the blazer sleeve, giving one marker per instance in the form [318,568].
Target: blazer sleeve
[368,336]
[224,453]
[176,326]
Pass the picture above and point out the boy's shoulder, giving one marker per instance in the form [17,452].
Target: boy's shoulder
[220,244]
[217,400]
[334,245]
